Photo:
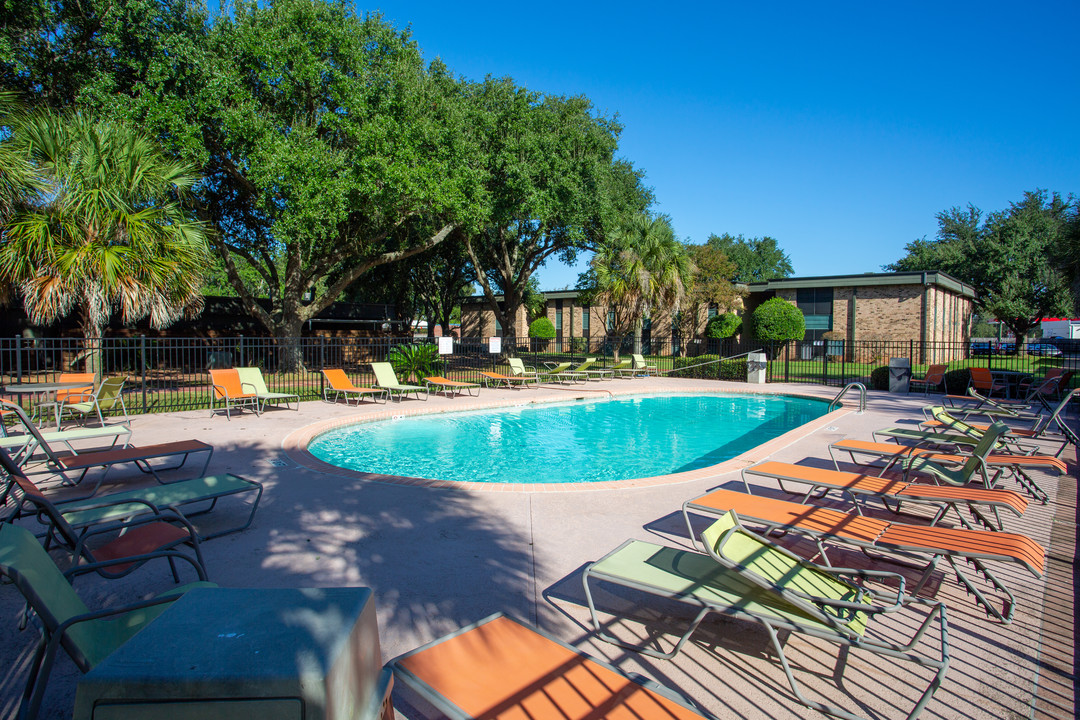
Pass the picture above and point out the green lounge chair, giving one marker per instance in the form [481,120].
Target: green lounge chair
[66,622]
[339,384]
[120,506]
[1039,424]
[386,378]
[519,369]
[642,367]
[230,392]
[623,368]
[107,396]
[919,546]
[162,529]
[586,368]
[499,663]
[561,372]
[23,447]
[950,430]
[251,380]
[746,576]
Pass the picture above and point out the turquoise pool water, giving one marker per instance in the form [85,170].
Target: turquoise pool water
[579,442]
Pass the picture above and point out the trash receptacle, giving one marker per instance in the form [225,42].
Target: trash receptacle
[756,365]
[899,375]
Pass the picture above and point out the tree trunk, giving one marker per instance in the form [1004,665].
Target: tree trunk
[637,336]
[92,351]
[290,350]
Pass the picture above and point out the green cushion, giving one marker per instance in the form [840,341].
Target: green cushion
[176,493]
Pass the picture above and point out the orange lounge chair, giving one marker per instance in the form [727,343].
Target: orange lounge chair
[908,541]
[338,383]
[983,381]
[451,388]
[500,668]
[230,391]
[859,487]
[508,380]
[934,378]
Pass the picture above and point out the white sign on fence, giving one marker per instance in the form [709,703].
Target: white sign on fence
[446,345]
[495,345]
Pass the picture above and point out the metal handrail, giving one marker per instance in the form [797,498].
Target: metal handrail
[862,397]
[712,362]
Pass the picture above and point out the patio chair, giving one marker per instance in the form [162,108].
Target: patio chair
[746,576]
[561,372]
[878,539]
[162,529]
[251,380]
[623,368]
[81,394]
[1039,428]
[25,445]
[523,672]
[642,367]
[859,488]
[88,637]
[934,378]
[230,392]
[108,395]
[339,384]
[983,381]
[386,378]
[127,504]
[981,461]
[586,367]
[955,432]
[494,379]
[451,388]
[519,369]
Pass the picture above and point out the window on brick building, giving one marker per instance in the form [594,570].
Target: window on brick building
[816,305]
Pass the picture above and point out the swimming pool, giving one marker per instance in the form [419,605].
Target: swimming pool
[577,442]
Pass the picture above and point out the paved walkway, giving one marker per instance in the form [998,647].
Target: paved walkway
[439,557]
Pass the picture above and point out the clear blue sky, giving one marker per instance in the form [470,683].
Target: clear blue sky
[838,128]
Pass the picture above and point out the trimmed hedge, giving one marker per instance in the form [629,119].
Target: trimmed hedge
[542,328]
[777,320]
[723,326]
[956,381]
[879,378]
[734,370]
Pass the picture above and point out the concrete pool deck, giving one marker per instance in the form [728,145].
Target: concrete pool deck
[440,556]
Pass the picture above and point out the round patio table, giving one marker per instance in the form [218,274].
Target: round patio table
[1012,379]
[43,389]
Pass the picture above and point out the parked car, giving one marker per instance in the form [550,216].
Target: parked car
[980,348]
[1042,349]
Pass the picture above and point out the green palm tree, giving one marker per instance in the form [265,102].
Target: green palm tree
[643,265]
[107,231]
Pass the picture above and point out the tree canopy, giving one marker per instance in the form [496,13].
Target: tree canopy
[755,259]
[1016,259]
[551,183]
[776,319]
[108,229]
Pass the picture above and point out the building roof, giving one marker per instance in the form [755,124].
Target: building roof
[940,279]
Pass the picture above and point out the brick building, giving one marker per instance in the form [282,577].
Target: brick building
[930,307]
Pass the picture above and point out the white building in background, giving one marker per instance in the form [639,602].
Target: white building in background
[1062,328]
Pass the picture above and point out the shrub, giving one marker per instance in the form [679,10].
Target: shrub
[879,378]
[414,361]
[729,369]
[542,328]
[956,381]
[778,320]
[722,326]
[579,345]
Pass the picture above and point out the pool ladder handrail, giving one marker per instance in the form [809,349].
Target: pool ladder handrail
[862,397]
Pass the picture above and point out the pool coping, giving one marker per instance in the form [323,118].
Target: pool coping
[295,443]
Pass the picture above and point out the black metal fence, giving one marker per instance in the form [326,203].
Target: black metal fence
[172,373]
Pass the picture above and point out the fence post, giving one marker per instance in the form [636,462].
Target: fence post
[18,358]
[911,351]
[787,362]
[825,368]
[142,362]
[240,351]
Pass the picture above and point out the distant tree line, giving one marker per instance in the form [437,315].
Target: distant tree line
[1024,261]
